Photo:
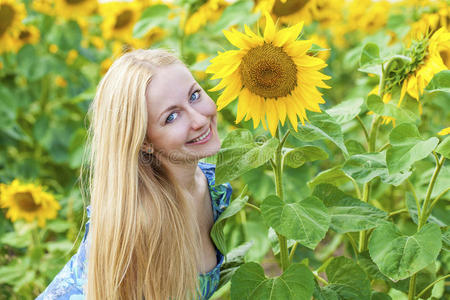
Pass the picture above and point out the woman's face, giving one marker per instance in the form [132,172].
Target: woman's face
[179,110]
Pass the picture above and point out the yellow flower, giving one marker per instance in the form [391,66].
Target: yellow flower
[444,131]
[367,15]
[208,12]
[74,9]
[327,12]
[28,201]
[272,75]
[287,11]
[425,67]
[26,35]
[71,56]
[60,81]
[153,35]
[322,42]
[119,19]
[97,42]
[104,66]
[11,15]
[53,48]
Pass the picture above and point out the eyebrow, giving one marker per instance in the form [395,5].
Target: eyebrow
[175,106]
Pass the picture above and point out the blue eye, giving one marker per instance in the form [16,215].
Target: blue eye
[169,121]
[196,94]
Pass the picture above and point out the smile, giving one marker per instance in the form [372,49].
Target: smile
[203,138]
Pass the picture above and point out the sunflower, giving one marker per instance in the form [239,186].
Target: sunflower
[28,201]
[427,61]
[44,6]
[272,75]
[211,10]
[444,131]
[74,9]
[11,16]
[288,11]
[327,12]
[368,16]
[119,19]
[26,35]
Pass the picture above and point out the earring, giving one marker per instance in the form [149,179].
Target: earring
[150,150]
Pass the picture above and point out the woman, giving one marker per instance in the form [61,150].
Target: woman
[152,202]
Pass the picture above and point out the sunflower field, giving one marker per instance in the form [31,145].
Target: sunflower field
[334,122]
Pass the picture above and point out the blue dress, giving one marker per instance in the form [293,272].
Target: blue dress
[68,283]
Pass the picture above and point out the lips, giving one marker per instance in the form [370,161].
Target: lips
[199,135]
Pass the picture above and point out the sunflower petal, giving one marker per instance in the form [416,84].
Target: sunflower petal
[269,31]
[288,34]
[272,115]
[242,109]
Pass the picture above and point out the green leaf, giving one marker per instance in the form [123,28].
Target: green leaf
[375,104]
[321,126]
[155,15]
[296,157]
[273,237]
[399,256]
[348,279]
[364,167]
[217,229]
[439,83]
[234,259]
[240,153]
[249,282]
[407,147]
[446,240]
[12,272]
[305,221]
[439,215]
[444,147]
[354,147]
[380,296]
[17,240]
[370,55]
[348,214]
[325,293]
[240,12]
[346,111]
[334,176]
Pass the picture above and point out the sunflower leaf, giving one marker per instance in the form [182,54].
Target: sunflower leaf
[439,83]
[334,176]
[399,256]
[250,282]
[346,111]
[217,229]
[305,221]
[321,126]
[240,153]
[375,104]
[296,157]
[407,147]
[444,147]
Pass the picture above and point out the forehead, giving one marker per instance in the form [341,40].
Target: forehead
[168,86]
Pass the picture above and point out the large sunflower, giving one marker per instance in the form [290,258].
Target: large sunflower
[119,19]
[11,16]
[272,75]
[73,9]
[28,201]
[427,61]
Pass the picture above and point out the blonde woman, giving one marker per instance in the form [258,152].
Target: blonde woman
[153,202]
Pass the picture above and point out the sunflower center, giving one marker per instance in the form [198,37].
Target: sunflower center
[6,17]
[74,2]
[24,35]
[26,202]
[287,8]
[123,19]
[268,71]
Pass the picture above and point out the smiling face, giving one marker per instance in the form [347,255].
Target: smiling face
[179,111]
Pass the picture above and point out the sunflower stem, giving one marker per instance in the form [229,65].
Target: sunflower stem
[366,134]
[278,170]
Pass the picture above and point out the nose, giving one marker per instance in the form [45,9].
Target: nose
[198,119]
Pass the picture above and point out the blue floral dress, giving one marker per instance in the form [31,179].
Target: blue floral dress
[69,282]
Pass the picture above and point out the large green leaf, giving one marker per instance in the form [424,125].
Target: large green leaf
[348,279]
[296,157]
[364,167]
[217,229]
[375,104]
[346,111]
[444,147]
[240,153]
[370,61]
[439,83]
[249,282]
[234,259]
[334,176]
[155,15]
[347,213]
[305,221]
[321,126]
[399,256]
[407,147]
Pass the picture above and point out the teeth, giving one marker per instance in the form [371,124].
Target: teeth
[201,138]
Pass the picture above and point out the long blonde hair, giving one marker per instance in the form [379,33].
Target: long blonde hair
[144,242]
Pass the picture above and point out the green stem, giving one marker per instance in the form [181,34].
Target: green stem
[278,164]
[412,287]
[437,198]
[291,254]
[393,213]
[355,184]
[425,209]
[253,206]
[413,191]
[353,243]
[366,134]
[320,278]
[384,147]
[432,284]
